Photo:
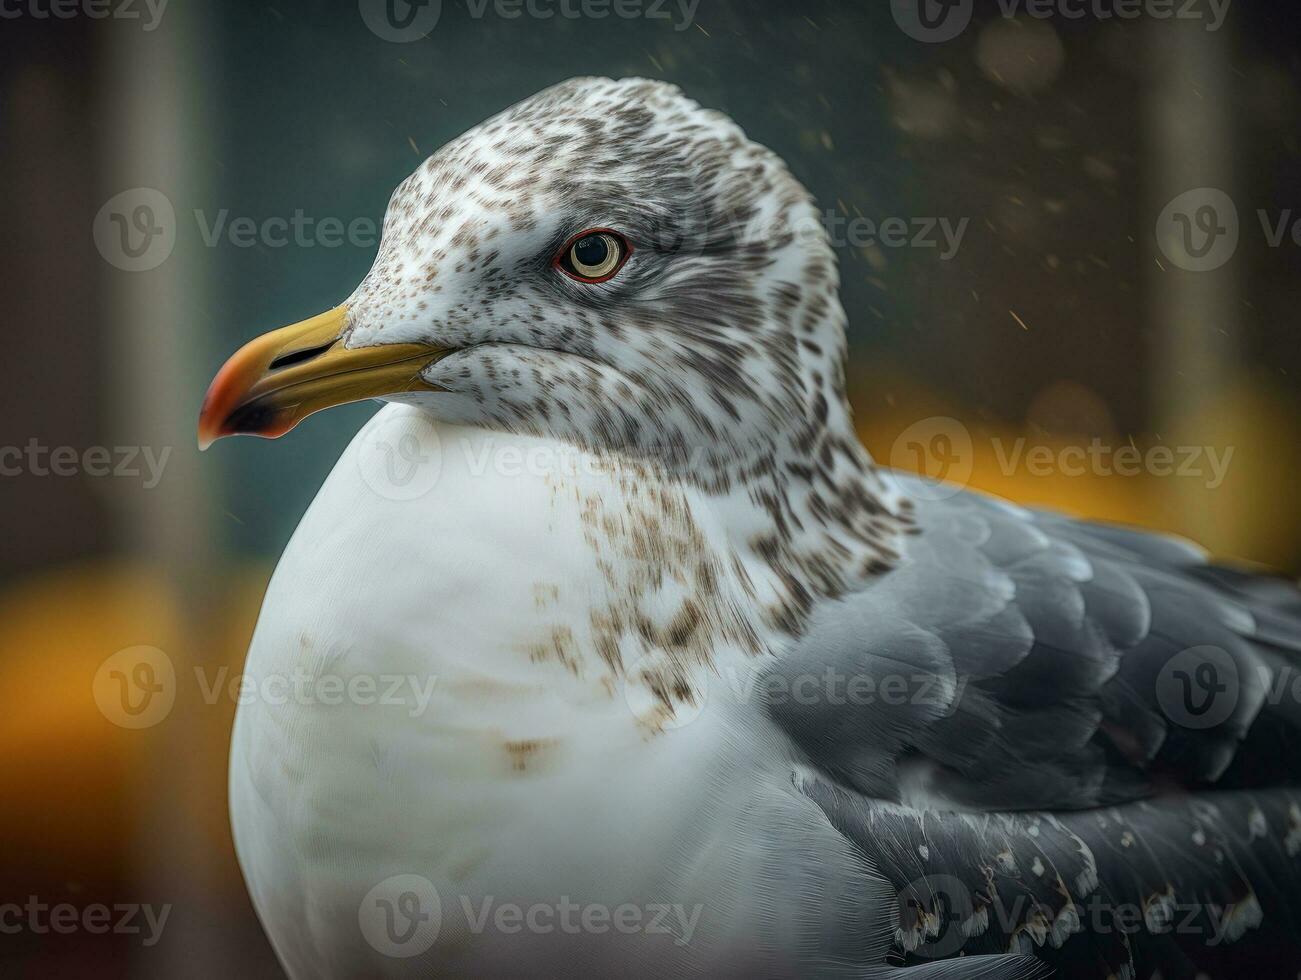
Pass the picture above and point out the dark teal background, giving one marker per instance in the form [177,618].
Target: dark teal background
[313,111]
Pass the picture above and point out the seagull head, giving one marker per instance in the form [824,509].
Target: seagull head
[605,263]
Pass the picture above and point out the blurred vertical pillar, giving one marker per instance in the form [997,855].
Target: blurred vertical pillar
[1191,139]
[154,132]
[44,208]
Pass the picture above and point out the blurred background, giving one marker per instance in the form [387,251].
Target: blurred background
[1070,251]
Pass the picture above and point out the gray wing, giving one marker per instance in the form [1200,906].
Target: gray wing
[1066,725]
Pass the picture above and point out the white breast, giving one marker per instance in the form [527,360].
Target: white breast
[436,688]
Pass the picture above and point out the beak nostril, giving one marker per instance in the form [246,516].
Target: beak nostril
[299,356]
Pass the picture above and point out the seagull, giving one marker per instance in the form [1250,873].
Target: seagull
[606,649]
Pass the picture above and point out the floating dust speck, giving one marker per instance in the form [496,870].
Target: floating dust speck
[1022,55]
[1099,169]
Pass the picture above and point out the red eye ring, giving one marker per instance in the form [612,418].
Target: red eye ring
[567,261]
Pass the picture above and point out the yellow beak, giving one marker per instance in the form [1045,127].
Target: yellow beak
[274,382]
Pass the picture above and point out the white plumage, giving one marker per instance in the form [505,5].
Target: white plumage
[609,651]
[524,780]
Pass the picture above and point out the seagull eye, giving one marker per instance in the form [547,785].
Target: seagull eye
[594,256]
